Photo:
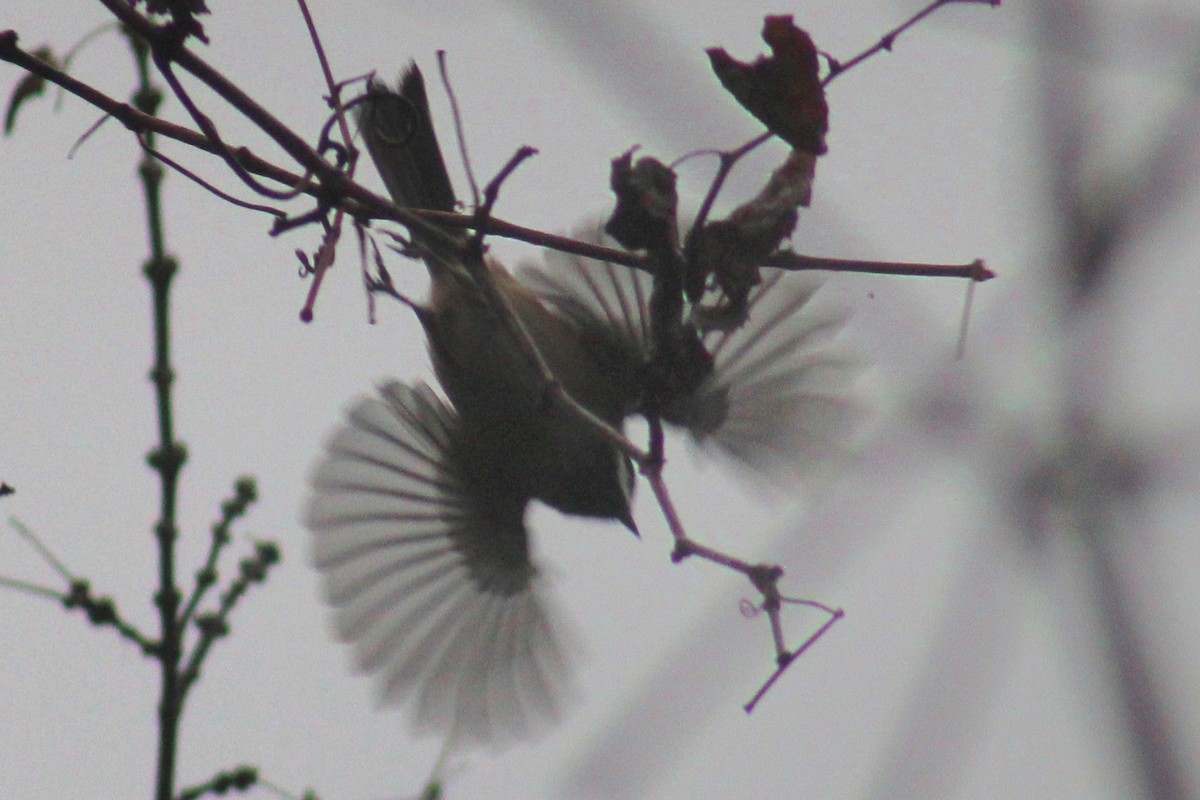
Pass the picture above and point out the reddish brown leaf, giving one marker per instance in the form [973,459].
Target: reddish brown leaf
[732,249]
[782,91]
[644,218]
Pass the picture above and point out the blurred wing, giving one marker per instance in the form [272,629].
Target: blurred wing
[596,294]
[436,594]
[778,399]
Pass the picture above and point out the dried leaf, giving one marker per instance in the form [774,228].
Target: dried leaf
[644,218]
[782,91]
[732,249]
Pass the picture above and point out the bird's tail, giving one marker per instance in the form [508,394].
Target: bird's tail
[398,130]
[435,589]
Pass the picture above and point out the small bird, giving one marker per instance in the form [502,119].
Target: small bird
[417,505]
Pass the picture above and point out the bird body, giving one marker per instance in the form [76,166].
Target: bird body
[520,442]
[417,510]
[507,411]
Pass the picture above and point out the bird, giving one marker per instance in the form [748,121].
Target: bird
[418,499]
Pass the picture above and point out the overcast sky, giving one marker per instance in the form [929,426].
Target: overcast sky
[988,649]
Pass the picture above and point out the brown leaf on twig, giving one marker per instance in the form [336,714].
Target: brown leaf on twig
[644,218]
[782,91]
[733,249]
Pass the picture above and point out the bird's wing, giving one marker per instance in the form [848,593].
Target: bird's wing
[598,294]
[779,396]
[778,399]
[437,594]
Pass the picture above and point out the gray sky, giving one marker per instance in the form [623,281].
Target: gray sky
[989,650]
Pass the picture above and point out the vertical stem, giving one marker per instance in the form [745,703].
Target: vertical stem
[168,456]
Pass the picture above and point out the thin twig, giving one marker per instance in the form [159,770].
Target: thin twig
[215,625]
[801,601]
[764,578]
[792,658]
[786,259]
[328,250]
[29,536]
[103,611]
[491,194]
[728,161]
[187,173]
[232,509]
[87,134]
[321,264]
[209,129]
[77,48]
[961,349]
[163,41]
[368,282]
[459,134]
[888,40]
[32,588]
[240,779]
[100,611]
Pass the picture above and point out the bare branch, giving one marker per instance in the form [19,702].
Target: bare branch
[888,40]
[974,271]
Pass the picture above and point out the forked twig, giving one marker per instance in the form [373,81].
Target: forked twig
[764,577]
[100,611]
[788,659]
